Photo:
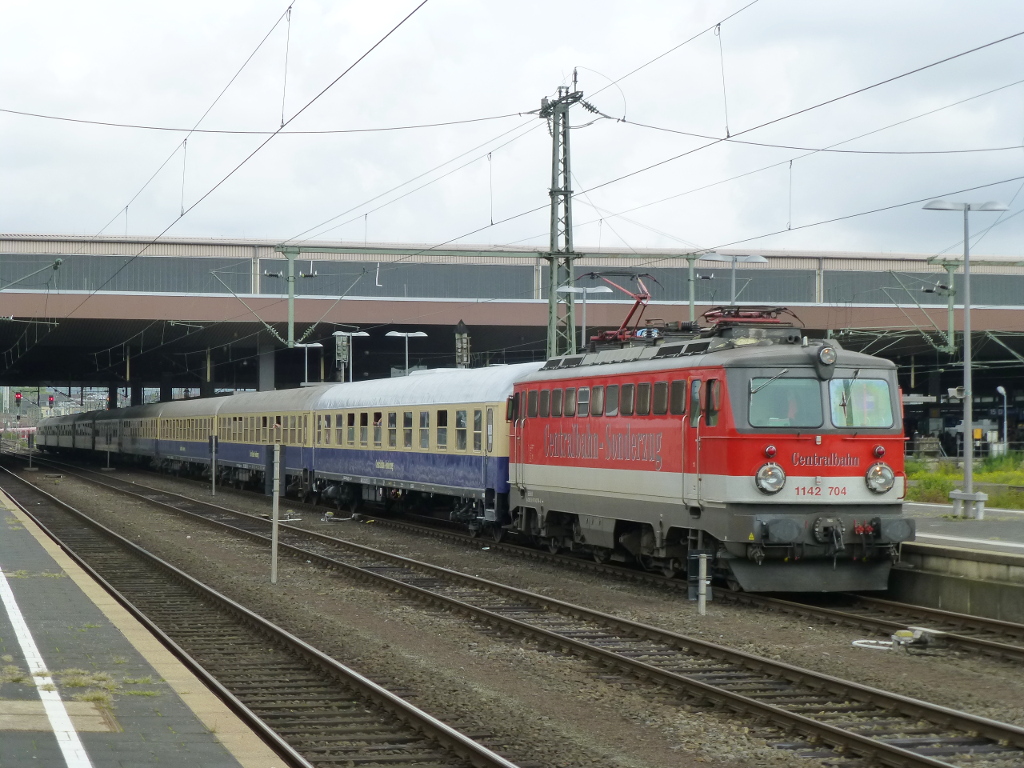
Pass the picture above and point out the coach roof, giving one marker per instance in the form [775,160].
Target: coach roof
[432,387]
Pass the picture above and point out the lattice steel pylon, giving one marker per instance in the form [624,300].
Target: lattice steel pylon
[561,306]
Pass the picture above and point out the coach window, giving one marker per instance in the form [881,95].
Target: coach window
[583,401]
[611,400]
[442,430]
[327,429]
[556,402]
[713,405]
[490,430]
[424,429]
[392,429]
[407,429]
[643,399]
[569,404]
[364,428]
[278,429]
[293,423]
[545,403]
[694,402]
[677,398]
[531,404]
[460,430]
[478,430]
[512,409]
[378,428]
[660,398]
[350,425]
[626,401]
[597,401]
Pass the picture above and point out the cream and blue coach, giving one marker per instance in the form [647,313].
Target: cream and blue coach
[437,432]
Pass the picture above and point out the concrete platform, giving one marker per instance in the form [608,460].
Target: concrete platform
[83,684]
[967,566]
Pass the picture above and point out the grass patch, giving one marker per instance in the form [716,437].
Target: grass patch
[17,574]
[932,481]
[147,680]
[120,660]
[48,575]
[13,674]
[96,697]
[141,693]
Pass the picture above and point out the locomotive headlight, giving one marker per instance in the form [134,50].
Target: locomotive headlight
[770,478]
[880,478]
[827,355]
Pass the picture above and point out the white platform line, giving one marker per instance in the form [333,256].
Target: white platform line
[60,721]
[992,542]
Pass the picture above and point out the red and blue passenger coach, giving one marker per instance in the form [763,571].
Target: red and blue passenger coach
[780,456]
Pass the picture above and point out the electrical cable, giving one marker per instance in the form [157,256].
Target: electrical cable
[224,132]
[805,110]
[252,154]
[187,131]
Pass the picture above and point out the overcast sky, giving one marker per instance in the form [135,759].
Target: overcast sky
[164,64]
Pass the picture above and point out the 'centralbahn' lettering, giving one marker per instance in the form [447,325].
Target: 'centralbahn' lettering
[571,445]
[619,445]
[832,460]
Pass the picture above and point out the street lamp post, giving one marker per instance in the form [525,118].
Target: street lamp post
[350,362]
[733,258]
[584,291]
[1006,435]
[975,502]
[407,336]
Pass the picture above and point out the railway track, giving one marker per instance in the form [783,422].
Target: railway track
[829,718]
[942,629]
[311,709]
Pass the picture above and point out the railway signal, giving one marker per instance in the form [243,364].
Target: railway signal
[17,399]
[51,401]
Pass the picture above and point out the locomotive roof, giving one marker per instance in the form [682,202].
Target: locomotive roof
[694,354]
[480,385]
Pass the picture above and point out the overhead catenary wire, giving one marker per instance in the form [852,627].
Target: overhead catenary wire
[252,154]
[226,132]
[811,108]
[198,122]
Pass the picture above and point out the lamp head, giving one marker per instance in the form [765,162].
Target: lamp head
[1001,390]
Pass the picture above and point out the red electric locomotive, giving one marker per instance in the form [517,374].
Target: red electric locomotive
[779,455]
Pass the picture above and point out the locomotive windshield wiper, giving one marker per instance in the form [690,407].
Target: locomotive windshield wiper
[762,386]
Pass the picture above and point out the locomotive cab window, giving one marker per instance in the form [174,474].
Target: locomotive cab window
[695,398]
[583,401]
[860,403]
[643,399]
[611,406]
[556,402]
[779,402]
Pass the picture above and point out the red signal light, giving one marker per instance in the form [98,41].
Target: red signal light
[17,398]
[51,401]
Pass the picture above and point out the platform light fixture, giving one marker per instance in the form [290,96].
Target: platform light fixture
[580,291]
[972,504]
[407,336]
[1006,435]
[732,258]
